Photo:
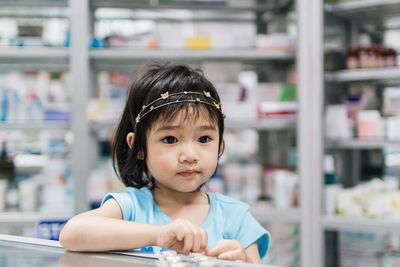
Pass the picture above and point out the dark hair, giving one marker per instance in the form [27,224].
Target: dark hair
[147,85]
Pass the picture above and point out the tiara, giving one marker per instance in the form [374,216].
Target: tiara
[146,109]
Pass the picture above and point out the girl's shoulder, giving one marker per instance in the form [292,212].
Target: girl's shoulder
[227,203]
[134,202]
[140,196]
[131,197]
[141,192]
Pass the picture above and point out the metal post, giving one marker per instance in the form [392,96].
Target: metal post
[80,69]
[310,131]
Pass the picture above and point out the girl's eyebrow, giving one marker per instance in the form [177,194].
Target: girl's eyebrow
[167,128]
[177,127]
[207,127]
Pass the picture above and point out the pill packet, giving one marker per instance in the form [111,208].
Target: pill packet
[174,259]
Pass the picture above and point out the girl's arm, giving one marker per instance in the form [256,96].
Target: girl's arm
[103,229]
[252,253]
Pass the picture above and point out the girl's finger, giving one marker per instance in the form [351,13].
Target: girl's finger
[204,239]
[221,247]
[197,238]
[188,239]
[232,255]
[215,251]
[179,231]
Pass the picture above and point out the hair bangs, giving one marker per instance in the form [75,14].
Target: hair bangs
[189,112]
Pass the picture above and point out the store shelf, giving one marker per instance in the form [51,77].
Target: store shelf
[34,3]
[35,125]
[224,6]
[174,15]
[24,12]
[35,58]
[265,214]
[261,124]
[360,143]
[38,53]
[126,56]
[230,124]
[332,222]
[363,75]
[365,10]
[28,218]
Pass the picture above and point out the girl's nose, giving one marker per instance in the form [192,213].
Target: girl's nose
[188,154]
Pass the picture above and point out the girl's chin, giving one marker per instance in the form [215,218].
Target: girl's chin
[188,188]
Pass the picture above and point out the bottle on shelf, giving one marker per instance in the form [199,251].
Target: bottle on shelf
[332,186]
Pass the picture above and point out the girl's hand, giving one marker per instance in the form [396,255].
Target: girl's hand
[229,250]
[182,236]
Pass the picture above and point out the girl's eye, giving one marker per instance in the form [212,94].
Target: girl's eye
[204,139]
[170,140]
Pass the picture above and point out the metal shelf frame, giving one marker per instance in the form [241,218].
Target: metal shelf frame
[341,223]
[267,214]
[27,218]
[355,143]
[125,56]
[34,58]
[309,130]
[34,55]
[361,6]
[359,15]
[221,6]
[34,3]
[35,125]
[43,53]
[358,75]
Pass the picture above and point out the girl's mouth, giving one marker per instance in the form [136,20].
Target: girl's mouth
[188,173]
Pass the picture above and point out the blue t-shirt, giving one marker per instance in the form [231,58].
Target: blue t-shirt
[227,218]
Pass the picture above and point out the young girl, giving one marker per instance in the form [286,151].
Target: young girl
[166,148]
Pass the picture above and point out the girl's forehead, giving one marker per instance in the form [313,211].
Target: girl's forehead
[187,116]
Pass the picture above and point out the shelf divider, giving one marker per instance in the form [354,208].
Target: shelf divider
[355,75]
[340,223]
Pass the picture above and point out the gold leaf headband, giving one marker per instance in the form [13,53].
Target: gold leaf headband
[146,109]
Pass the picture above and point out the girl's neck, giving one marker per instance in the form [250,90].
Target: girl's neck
[164,196]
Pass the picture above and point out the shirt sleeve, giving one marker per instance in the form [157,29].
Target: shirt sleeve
[125,203]
[251,231]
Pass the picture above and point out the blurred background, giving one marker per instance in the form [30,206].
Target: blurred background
[311,90]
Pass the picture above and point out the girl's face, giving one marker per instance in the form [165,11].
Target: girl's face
[183,154]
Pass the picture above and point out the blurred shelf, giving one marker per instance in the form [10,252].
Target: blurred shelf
[355,143]
[103,125]
[28,218]
[261,124]
[363,75]
[264,213]
[38,53]
[225,6]
[173,15]
[35,125]
[34,3]
[365,10]
[26,12]
[34,58]
[125,55]
[233,124]
[332,222]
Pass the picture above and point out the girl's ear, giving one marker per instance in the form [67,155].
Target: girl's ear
[130,137]
[221,148]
